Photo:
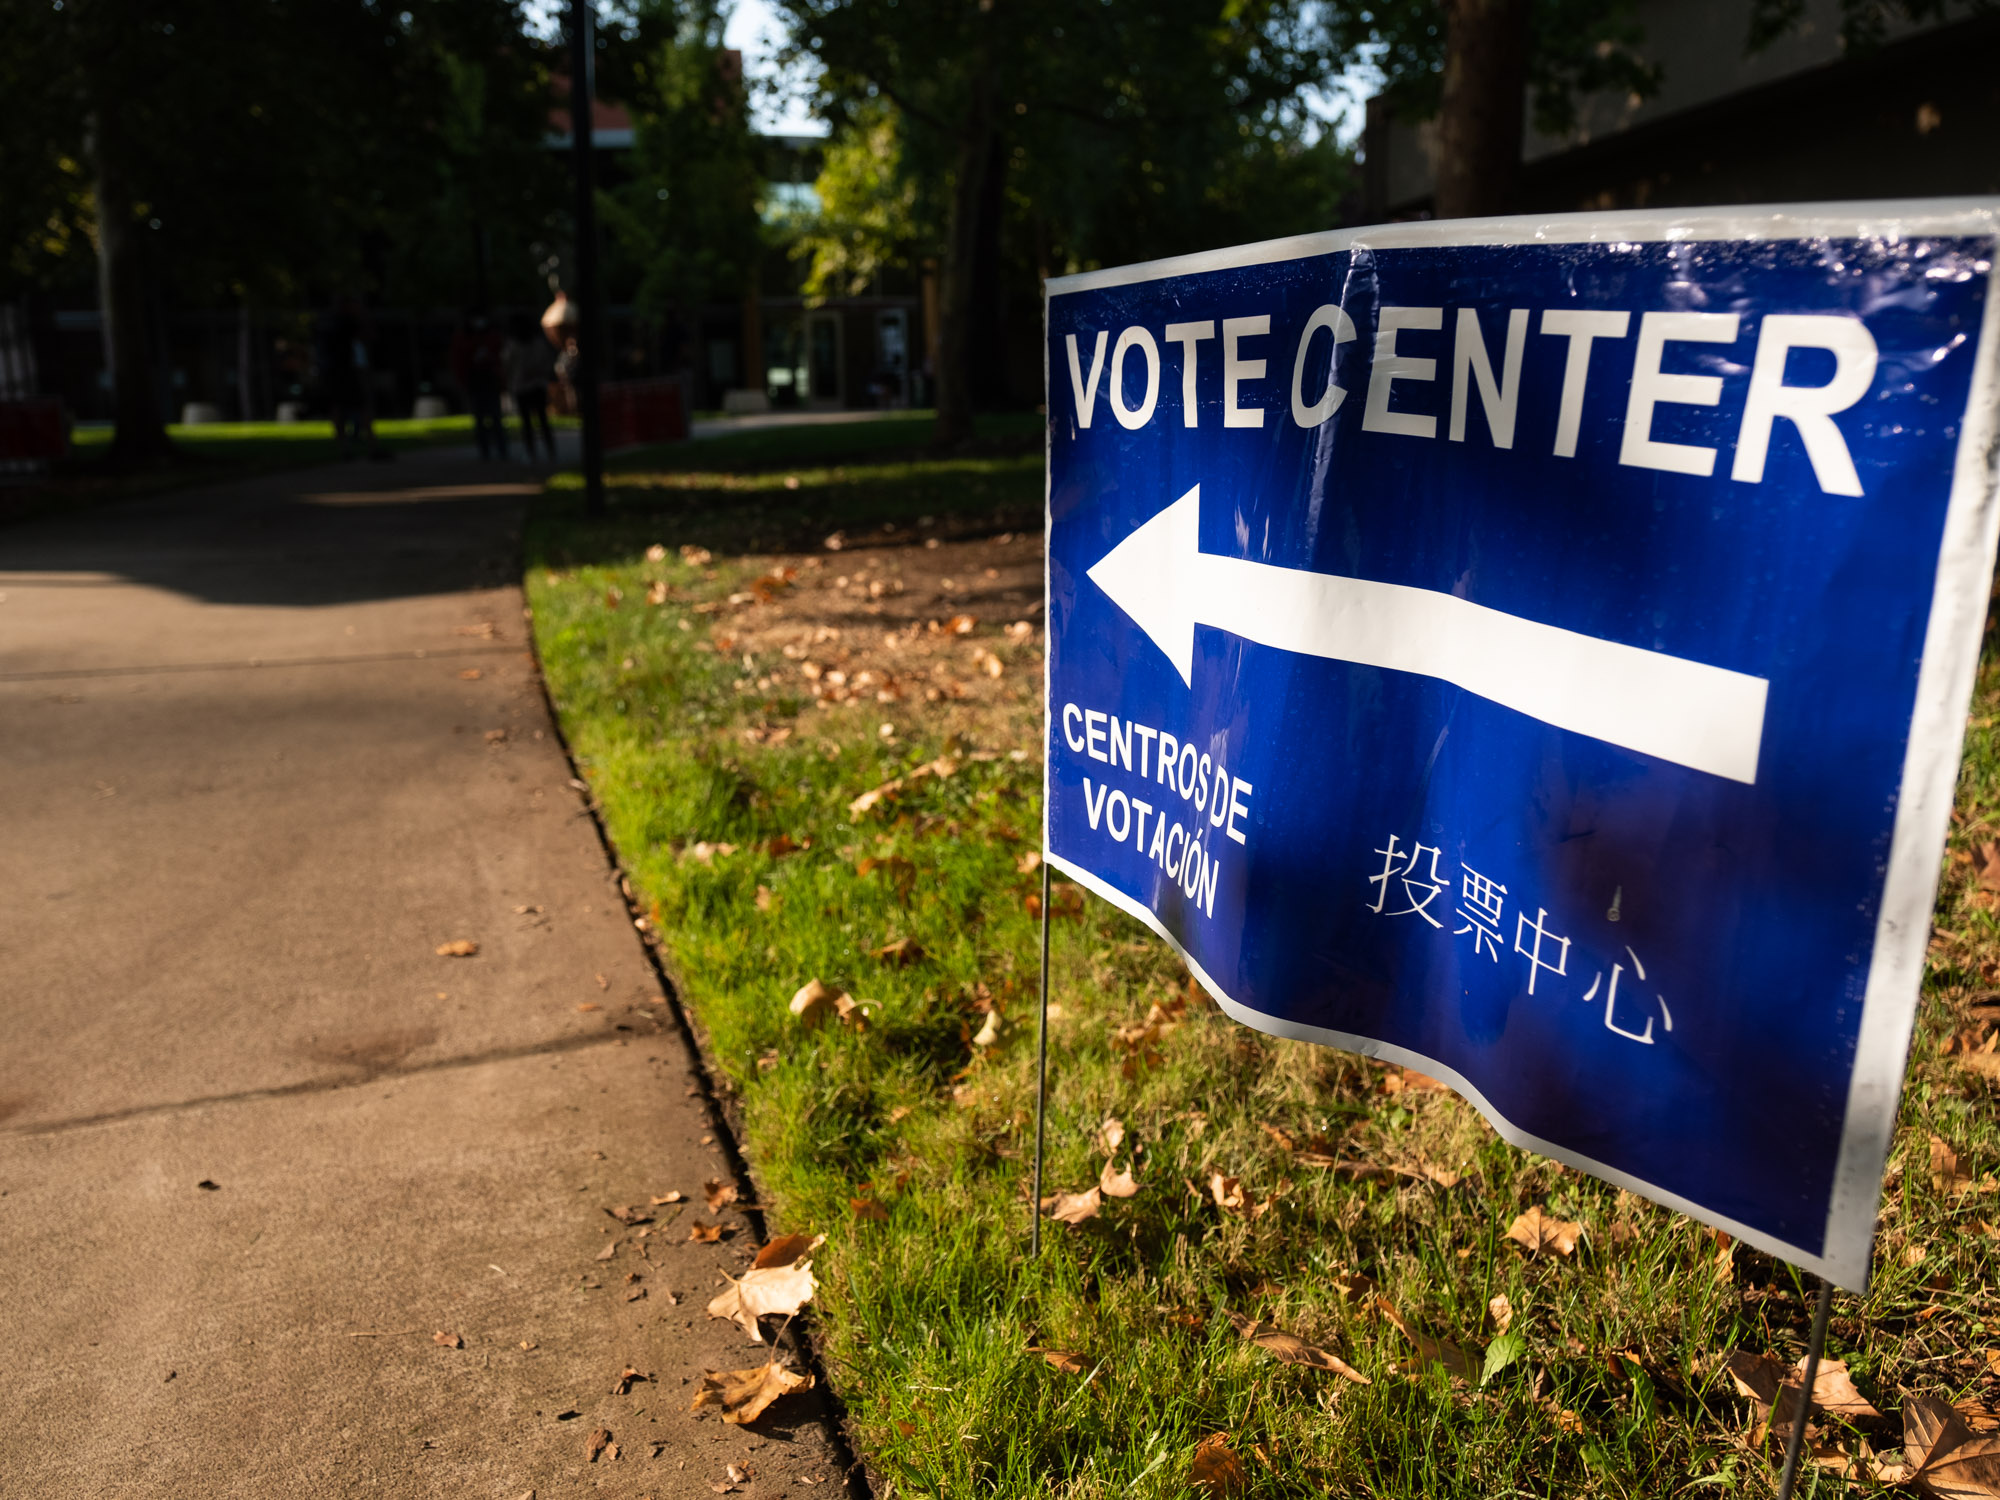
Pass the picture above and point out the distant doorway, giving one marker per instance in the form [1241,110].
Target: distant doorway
[825,388]
[890,383]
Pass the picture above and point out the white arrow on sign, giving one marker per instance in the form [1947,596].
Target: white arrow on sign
[1708,718]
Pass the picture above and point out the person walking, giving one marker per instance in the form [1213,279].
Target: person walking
[529,365]
[340,351]
[475,362]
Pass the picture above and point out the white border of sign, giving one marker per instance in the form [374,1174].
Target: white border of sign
[1944,680]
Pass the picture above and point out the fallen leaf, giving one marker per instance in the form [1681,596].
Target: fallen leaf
[457,948]
[470,674]
[1947,1176]
[1988,860]
[787,1248]
[743,1394]
[656,592]
[696,557]
[1502,1311]
[1944,1457]
[1227,1192]
[1432,1350]
[496,736]
[812,1002]
[764,898]
[989,1031]
[627,1378]
[1110,1135]
[448,1340]
[718,1194]
[901,952]
[1214,1470]
[1074,1208]
[596,1444]
[1028,863]
[1286,1141]
[630,1213]
[586,1006]
[775,1291]
[704,1234]
[1773,1390]
[1290,1349]
[1066,1360]
[674,1196]
[1507,1349]
[1118,1184]
[960,625]
[874,796]
[1538,1233]
[868,1208]
[607,1252]
[852,1012]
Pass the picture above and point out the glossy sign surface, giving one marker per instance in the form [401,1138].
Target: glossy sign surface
[1537,652]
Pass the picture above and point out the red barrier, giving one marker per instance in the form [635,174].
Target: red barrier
[642,411]
[33,429]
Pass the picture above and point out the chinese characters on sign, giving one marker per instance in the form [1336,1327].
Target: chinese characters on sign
[1410,876]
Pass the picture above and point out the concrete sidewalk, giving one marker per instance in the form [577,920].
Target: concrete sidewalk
[265,747]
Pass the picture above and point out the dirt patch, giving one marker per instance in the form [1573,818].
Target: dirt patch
[899,628]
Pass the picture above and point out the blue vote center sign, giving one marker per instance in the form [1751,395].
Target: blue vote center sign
[1537,653]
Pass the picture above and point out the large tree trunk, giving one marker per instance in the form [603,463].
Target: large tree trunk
[1479,121]
[139,435]
[963,236]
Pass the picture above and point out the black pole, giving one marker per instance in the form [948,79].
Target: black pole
[590,310]
[1795,1444]
[1041,1078]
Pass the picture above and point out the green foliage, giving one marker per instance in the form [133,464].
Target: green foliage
[274,152]
[875,212]
[687,221]
[1123,130]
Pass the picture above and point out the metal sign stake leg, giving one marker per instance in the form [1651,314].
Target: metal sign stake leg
[1795,1444]
[1041,1080]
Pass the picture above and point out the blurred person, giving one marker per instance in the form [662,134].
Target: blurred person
[340,353]
[529,364]
[476,353]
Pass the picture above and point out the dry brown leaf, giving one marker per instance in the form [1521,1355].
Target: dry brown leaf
[1985,1064]
[1773,1390]
[1215,1470]
[1292,1350]
[1538,1233]
[1110,1135]
[470,674]
[743,1394]
[1117,1184]
[607,1252]
[448,1340]
[868,1208]
[990,1029]
[1947,1175]
[787,1248]
[1435,1351]
[457,948]
[595,1444]
[1227,1192]
[1066,1360]
[1285,1139]
[774,1292]
[1028,863]
[630,1213]
[627,1378]
[902,952]
[704,1234]
[812,1003]
[1988,860]
[961,624]
[589,1005]
[874,796]
[1074,1208]
[1944,1457]
[852,1012]
[673,1196]
[1502,1311]
[718,1194]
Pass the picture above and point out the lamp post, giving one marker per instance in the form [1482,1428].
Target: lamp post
[590,322]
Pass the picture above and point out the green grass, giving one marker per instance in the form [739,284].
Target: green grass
[928,1316]
[285,442]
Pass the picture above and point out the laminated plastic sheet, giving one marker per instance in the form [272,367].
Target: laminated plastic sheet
[1537,652]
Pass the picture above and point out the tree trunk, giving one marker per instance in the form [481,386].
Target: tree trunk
[963,237]
[1479,121]
[139,435]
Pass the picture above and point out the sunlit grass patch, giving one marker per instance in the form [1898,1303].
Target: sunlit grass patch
[1344,1203]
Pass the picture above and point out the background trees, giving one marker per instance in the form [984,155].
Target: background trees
[1032,136]
[208,154]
